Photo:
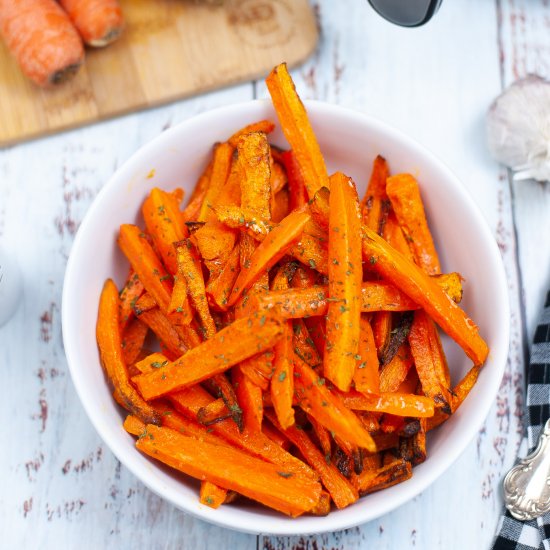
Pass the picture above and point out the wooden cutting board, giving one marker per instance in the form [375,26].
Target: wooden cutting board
[170,49]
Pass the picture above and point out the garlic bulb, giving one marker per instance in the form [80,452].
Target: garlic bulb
[518,128]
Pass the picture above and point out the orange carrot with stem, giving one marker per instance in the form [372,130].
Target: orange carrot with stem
[99,22]
[41,37]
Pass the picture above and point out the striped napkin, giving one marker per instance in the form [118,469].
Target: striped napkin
[513,534]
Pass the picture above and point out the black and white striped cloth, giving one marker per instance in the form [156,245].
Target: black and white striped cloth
[513,534]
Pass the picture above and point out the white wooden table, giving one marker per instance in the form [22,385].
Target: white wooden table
[62,488]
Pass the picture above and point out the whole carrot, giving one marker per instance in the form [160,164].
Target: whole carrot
[99,22]
[42,39]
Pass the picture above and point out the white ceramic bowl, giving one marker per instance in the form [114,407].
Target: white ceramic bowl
[349,141]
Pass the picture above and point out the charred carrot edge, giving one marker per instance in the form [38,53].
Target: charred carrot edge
[110,353]
[164,223]
[404,194]
[297,128]
[304,346]
[393,403]
[269,252]
[249,396]
[228,467]
[458,395]
[246,336]
[265,126]
[282,384]
[189,268]
[386,476]
[212,495]
[163,328]
[43,40]
[130,293]
[413,449]
[133,338]
[366,375]
[375,204]
[98,23]
[220,385]
[314,397]
[425,352]
[219,286]
[391,423]
[395,372]
[323,437]
[216,411]
[296,184]
[220,171]
[341,491]
[398,336]
[392,265]
[191,211]
[189,401]
[370,421]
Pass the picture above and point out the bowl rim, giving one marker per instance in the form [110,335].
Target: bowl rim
[333,522]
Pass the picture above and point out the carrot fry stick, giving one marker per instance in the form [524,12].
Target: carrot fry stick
[41,37]
[133,425]
[230,346]
[132,290]
[393,374]
[375,203]
[133,338]
[282,385]
[393,234]
[322,508]
[219,285]
[313,301]
[345,275]
[370,481]
[269,252]
[419,287]
[212,495]
[189,268]
[216,411]
[249,396]
[304,347]
[149,269]
[266,483]
[296,183]
[297,129]
[279,206]
[413,449]
[404,194]
[165,225]
[110,353]
[179,301]
[341,491]
[315,398]
[220,386]
[189,401]
[425,351]
[323,437]
[191,211]
[265,126]
[366,375]
[381,329]
[99,22]
[392,424]
[393,403]
[165,331]
[220,172]
[275,435]
[397,337]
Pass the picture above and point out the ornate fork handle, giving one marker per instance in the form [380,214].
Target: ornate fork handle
[527,484]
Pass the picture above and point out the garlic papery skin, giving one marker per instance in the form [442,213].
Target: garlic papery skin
[518,128]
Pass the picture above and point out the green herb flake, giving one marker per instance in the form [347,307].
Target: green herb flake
[158,364]
[373,260]
[209,500]
[286,475]
[312,264]
[282,376]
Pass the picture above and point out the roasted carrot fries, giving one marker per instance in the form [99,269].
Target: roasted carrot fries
[300,363]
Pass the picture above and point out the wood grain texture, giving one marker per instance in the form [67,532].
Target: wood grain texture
[61,483]
[169,50]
